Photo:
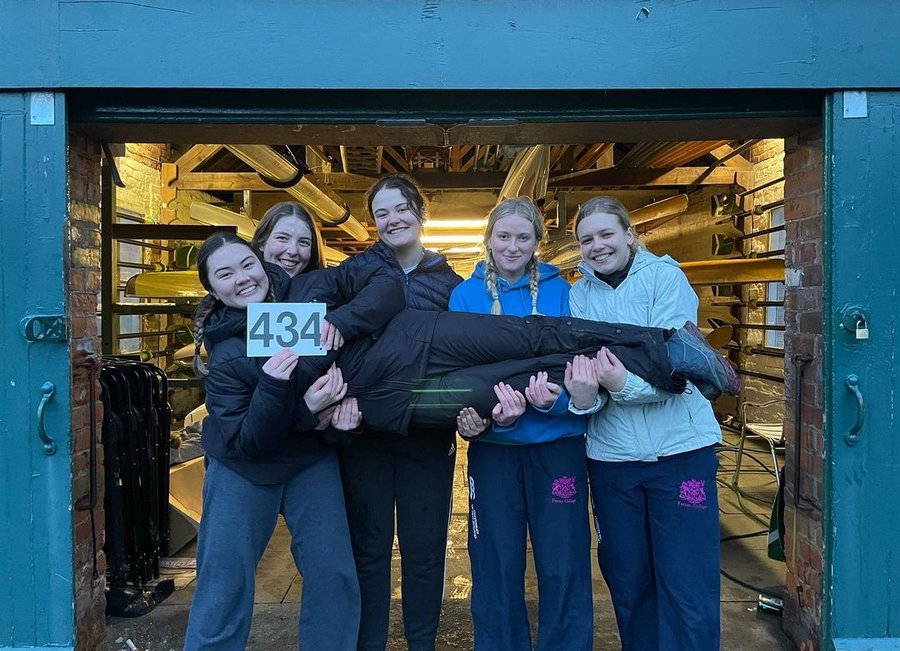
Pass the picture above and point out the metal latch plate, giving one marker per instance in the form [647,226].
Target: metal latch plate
[47,328]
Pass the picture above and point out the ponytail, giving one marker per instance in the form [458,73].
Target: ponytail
[206,306]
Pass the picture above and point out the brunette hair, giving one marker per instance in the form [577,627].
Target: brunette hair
[290,209]
[209,303]
[408,188]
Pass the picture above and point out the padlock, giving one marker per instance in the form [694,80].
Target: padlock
[862,330]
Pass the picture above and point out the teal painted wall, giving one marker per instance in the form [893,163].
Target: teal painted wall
[438,44]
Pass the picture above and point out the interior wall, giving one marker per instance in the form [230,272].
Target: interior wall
[803,167]
[82,293]
[767,158]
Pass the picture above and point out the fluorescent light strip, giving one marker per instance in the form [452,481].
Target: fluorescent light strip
[449,239]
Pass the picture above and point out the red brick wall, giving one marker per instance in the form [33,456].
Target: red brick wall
[82,292]
[803,336]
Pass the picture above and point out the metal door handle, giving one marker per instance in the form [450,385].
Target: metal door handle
[852,437]
[49,444]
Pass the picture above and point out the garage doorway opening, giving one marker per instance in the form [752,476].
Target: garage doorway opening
[708,192]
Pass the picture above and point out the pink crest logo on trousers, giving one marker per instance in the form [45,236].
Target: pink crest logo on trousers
[564,488]
[692,491]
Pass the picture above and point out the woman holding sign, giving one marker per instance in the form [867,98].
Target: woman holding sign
[265,454]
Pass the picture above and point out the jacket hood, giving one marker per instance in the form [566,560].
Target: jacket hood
[643,259]
[545,272]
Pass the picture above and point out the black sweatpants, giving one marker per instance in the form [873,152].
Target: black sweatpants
[413,474]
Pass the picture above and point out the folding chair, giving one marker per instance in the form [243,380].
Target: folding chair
[766,429]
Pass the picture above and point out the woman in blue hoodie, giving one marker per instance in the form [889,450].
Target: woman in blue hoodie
[527,471]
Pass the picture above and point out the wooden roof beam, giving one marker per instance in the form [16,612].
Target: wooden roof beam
[647,177]
[594,154]
[240,181]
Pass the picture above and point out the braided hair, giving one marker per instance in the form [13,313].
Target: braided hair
[207,306]
[521,207]
[209,303]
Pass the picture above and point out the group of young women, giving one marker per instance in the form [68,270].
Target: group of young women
[346,444]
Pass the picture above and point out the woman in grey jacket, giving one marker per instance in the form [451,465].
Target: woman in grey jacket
[652,464]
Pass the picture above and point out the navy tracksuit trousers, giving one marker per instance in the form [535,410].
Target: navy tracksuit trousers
[238,520]
[541,489]
[658,547]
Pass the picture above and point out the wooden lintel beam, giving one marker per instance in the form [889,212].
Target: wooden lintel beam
[643,177]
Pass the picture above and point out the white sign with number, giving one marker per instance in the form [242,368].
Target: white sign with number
[273,326]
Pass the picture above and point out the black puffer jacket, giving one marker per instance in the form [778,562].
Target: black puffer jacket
[427,287]
[259,426]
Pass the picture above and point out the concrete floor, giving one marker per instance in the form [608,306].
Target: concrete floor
[277,593]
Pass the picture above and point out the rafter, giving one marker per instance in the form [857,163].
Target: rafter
[195,156]
[645,177]
[737,161]
[592,155]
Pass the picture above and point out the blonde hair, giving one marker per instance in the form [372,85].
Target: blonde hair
[609,206]
[521,207]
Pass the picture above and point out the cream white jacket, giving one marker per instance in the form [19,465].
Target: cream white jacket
[641,422]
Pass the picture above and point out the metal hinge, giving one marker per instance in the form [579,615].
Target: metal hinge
[47,328]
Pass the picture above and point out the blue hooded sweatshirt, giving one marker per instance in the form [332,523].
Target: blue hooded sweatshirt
[534,426]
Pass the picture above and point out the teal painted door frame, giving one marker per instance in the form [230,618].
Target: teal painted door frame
[861,569]
[36,584]
[440,44]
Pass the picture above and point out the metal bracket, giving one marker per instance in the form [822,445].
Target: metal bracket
[47,328]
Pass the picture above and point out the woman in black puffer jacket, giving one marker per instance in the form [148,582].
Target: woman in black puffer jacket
[265,454]
[385,472]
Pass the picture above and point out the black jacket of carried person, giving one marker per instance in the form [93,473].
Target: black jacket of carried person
[427,287]
[259,426]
